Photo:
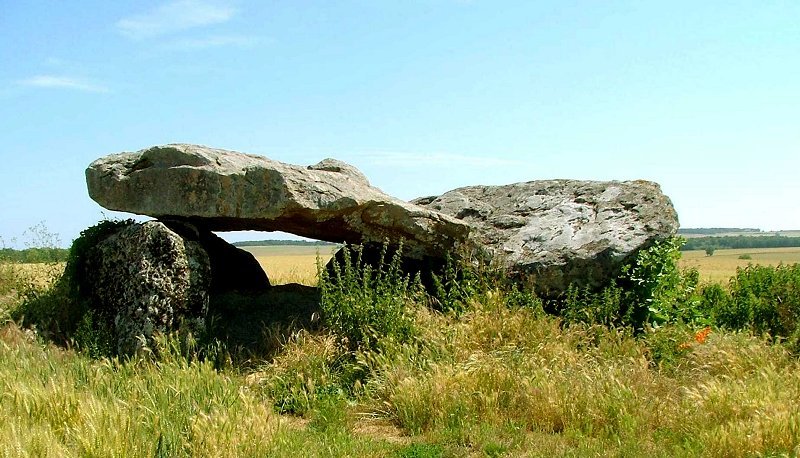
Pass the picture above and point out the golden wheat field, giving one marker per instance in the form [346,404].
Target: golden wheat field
[297,264]
[291,264]
[722,265]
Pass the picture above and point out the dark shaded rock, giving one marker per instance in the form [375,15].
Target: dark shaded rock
[232,269]
[146,279]
[554,233]
[229,191]
[151,278]
[244,319]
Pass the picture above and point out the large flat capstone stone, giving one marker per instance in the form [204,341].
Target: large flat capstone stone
[229,191]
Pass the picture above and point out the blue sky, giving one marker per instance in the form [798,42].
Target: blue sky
[422,96]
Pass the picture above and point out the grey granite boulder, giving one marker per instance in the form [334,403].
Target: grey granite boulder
[229,191]
[554,233]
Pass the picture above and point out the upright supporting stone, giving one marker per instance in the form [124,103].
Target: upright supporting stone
[145,280]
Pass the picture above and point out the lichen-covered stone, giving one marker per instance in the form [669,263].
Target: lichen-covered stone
[146,279]
[554,233]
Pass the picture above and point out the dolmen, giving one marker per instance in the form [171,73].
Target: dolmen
[548,234]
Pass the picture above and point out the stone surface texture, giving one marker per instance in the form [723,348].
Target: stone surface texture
[148,280]
[557,232]
[228,191]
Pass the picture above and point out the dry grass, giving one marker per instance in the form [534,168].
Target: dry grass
[16,279]
[509,380]
[493,381]
[722,265]
[59,403]
[291,264]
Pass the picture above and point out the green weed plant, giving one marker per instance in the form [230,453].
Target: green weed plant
[364,304]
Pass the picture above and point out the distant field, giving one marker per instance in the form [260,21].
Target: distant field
[297,264]
[722,265]
[291,264]
[792,233]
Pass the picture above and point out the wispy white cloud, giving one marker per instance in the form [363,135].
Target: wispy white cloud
[63,82]
[397,159]
[215,41]
[174,16]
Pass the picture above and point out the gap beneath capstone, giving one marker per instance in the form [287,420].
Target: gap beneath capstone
[285,258]
[247,318]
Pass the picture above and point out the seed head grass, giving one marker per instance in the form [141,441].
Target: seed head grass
[494,379]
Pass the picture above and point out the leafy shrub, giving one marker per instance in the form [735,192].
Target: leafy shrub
[764,299]
[667,346]
[656,290]
[650,291]
[517,297]
[363,304]
[76,260]
[745,256]
[587,306]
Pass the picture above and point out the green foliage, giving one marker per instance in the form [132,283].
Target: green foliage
[517,297]
[330,412]
[587,306]
[710,251]
[457,284]
[421,450]
[59,310]
[88,239]
[34,255]
[363,304]
[653,283]
[745,256]
[763,299]
[651,291]
[667,346]
[96,340]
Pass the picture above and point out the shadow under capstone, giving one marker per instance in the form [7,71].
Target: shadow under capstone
[254,320]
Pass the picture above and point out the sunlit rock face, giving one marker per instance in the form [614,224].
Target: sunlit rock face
[223,190]
[554,233]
